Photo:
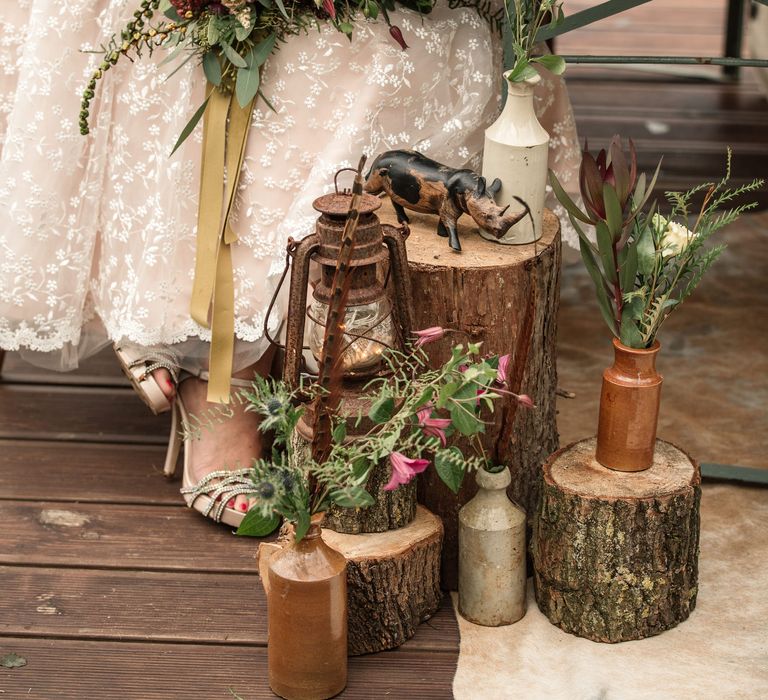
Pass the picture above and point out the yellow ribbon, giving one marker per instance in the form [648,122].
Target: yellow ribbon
[213,286]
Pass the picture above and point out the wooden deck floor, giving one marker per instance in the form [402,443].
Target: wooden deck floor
[111,588]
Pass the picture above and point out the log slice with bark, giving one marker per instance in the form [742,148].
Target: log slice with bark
[507,297]
[616,553]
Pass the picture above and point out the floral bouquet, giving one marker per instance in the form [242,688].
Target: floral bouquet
[645,263]
[232,38]
[413,412]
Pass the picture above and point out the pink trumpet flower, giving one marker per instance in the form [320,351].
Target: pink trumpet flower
[330,8]
[501,372]
[432,427]
[429,335]
[397,35]
[404,469]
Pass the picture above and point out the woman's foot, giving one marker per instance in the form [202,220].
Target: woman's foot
[224,436]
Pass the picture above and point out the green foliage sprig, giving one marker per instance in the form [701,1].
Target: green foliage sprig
[403,410]
[645,264]
[525,19]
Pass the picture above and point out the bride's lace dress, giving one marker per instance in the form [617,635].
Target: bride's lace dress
[104,226]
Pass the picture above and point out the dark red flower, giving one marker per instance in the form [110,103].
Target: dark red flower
[611,168]
[193,6]
[330,8]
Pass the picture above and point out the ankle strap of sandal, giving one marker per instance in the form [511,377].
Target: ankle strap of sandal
[203,375]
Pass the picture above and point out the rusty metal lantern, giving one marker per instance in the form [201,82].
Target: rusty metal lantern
[379,301]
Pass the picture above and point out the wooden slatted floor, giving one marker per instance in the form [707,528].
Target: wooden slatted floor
[111,588]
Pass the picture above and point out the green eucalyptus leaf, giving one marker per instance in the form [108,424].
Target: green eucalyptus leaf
[450,467]
[213,32]
[382,410]
[262,51]
[554,64]
[191,124]
[234,58]
[212,67]
[256,524]
[346,28]
[248,80]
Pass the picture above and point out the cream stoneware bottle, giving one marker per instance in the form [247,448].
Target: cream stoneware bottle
[516,151]
[492,576]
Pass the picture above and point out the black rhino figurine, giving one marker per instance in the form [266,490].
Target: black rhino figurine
[421,184]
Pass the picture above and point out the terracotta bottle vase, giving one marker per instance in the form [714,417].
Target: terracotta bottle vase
[629,409]
[306,585]
[516,151]
[492,574]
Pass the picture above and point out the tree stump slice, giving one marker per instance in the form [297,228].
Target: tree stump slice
[507,297]
[393,581]
[616,553]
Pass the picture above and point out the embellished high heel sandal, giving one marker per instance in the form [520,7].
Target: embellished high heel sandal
[210,495]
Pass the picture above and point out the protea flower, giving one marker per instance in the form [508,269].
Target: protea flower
[609,168]
[404,469]
[330,8]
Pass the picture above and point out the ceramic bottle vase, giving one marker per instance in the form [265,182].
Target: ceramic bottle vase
[629,409]
[492,576]
[307,618]
[516,151]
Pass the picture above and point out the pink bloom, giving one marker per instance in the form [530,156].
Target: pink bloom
[501,372]
[525,401]
[397,35]
[432,427]
[404,469]
[429,335]
[330,8]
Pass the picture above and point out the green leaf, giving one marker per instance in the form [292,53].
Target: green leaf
[340,433]
[12,661]
[382,410]
[613,214]
[425,397]
[565,199]
[360,468]
[191,124]
[605,248]
[630,334]
[235,58]
[346,28]
[247,83]
[213,32]
[554,64]
[212,68]
[352,497]
[302,524]
[242,33]
[450,467]
[465,420]
[606,308]
[522,71]
[262,50]
[646,251]
[281,6]
[628,267]
[256,524]
[446,391]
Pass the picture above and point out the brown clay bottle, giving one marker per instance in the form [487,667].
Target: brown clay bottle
[629,409]
[307,617]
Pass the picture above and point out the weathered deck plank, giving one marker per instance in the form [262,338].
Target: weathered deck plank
[144,605]
[78,669]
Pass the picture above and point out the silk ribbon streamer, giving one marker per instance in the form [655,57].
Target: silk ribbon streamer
[213,294]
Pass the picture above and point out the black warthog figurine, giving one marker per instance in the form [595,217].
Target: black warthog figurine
[416,182]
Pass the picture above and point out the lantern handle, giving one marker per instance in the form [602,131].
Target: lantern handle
[336,178]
